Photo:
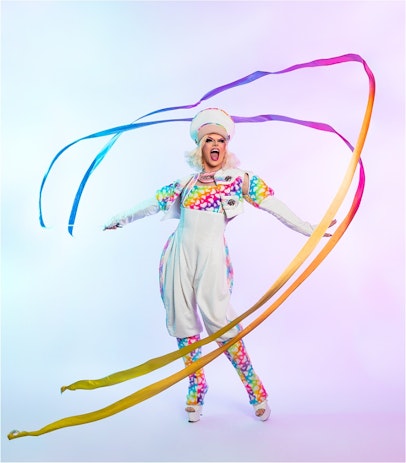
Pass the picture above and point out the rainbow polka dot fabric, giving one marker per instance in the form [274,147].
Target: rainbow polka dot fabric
[208,197]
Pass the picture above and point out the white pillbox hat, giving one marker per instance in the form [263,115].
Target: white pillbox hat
[211,120]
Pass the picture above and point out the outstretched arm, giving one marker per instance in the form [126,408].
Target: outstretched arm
[141,210]
[257,193]
[162,201]
[281,211]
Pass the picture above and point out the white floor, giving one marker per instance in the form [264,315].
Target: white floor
[157,431]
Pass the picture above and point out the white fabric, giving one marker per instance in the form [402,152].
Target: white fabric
[141,210]
[281,211]
[194,278]
[211,120]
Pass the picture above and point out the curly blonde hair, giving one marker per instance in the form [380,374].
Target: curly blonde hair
[194,158]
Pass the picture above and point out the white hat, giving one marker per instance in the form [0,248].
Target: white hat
[211,120]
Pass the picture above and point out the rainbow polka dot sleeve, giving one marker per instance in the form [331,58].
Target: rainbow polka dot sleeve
[258,191]
[167,195]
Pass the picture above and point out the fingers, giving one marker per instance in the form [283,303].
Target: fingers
[112,227]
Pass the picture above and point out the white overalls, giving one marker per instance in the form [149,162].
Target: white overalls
[194,275]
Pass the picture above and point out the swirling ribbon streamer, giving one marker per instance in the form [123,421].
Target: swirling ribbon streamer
[295,264]
[118,131]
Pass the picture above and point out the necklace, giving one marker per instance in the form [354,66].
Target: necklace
[206,177]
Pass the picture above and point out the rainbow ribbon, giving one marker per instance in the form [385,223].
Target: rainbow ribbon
[156,363]
[117,131]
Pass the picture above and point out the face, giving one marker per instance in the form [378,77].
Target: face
[213,152]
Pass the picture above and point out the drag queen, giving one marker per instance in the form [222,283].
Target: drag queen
[195,270]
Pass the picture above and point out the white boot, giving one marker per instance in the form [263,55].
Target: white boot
[262,410]
[194,412]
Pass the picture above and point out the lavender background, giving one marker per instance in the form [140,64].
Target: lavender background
[332,357]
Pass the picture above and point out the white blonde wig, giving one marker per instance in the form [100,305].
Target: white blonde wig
[194,158]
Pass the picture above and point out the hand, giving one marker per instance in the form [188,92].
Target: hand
[113,226]
[327,235]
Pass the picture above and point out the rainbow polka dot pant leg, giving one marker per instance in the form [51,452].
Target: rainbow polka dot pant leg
[240,360]
[197,381]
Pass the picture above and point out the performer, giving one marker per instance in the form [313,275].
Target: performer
[195,270]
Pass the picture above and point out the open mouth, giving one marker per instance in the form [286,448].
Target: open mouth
[214,154]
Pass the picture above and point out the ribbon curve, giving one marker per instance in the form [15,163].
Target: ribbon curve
[294,265]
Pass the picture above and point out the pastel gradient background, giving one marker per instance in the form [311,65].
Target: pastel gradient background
[332,357]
